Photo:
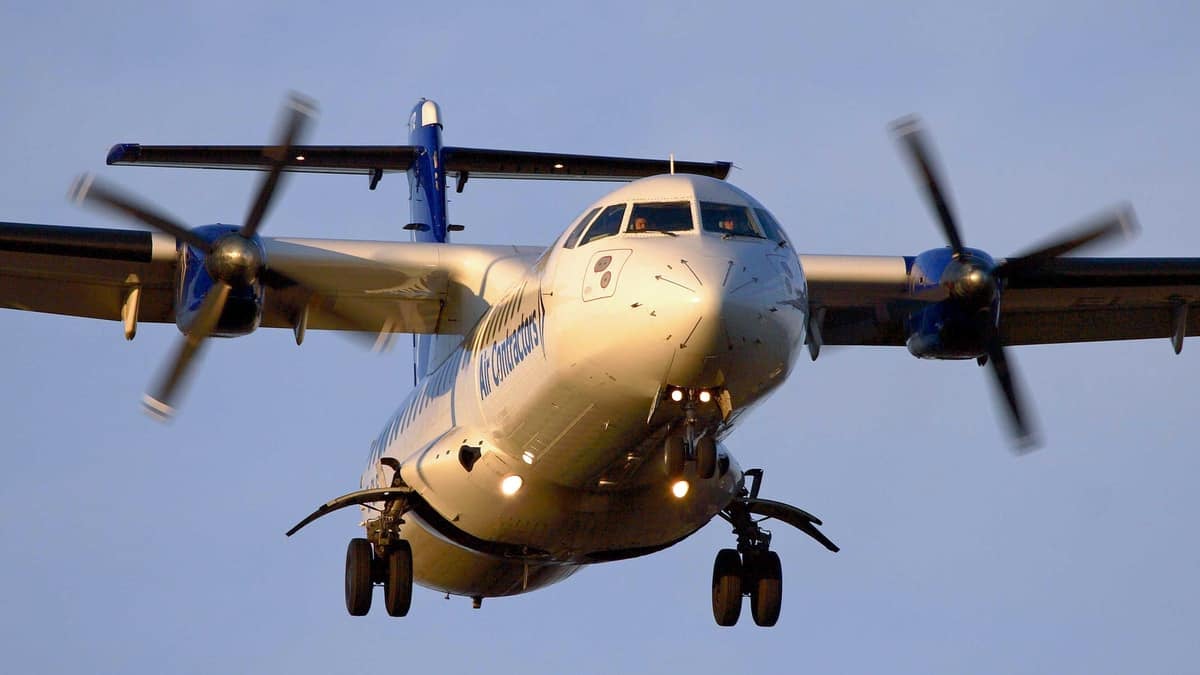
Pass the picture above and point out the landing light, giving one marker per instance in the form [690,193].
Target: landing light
[680,489]
[527,457]
[299,158]
[558,166]
[510,485]
[677,395]
[705,396]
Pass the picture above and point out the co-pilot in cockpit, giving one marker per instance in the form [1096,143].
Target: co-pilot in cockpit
[669,217]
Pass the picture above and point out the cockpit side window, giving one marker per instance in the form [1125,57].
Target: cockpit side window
[607,224]
[728,219]
[573,238]
[770,226]
[661,217]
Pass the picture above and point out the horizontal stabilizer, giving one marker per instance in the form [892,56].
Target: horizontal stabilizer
[362,159]
[480,163]
[373,159]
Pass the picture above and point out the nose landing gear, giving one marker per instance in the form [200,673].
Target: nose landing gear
[679,448]
[753,569]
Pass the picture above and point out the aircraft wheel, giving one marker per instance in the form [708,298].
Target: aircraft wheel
[398,584]
[766,588]
[674,453]
[706,457]
[727,587]
[358,577]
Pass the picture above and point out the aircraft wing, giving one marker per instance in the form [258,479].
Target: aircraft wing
[411,287]
[86,272]
[862,300]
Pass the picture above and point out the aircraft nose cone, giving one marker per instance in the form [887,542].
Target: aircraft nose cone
[746,325]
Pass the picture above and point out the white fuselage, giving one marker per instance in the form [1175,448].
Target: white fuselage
[564,381]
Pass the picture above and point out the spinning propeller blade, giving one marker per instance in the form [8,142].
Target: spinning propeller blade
[1120,221]
[91,191]
[161,400]
[912,137]
[300,111]
[917,147]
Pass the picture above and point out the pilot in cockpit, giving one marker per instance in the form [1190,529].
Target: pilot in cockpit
[639,224]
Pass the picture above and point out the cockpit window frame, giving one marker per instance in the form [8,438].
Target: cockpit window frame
[593,234]
[682,205]
[576,232]
[770,225]
[752,228]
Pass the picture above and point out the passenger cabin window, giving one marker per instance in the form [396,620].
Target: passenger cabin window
[729,220]
[607,223]
[573,238]
[770,226]
[661,217]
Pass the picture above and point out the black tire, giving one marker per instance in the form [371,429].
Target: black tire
[706,457]
[674,454]
[727,587]
[358,577]
[398,584]
[766,588]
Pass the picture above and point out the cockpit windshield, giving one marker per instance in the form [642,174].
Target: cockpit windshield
[606,224]
[769,225]
[661,217]
[728,219]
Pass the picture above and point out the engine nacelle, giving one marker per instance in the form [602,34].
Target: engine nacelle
[947,331]
[964,304]
[244,307]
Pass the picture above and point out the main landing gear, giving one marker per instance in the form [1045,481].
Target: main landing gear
[364,569]
[752,569]
[381,559]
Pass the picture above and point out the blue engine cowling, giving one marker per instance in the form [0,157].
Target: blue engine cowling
[964,304]
[244,307]
[948,331]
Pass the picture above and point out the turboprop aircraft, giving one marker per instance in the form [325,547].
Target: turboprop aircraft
[532,443]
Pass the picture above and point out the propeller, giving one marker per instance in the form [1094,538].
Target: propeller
[233,259]
[979,281]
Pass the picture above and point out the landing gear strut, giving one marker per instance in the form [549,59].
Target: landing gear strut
[753,569]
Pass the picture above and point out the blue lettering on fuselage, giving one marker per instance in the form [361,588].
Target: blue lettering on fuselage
[499,361]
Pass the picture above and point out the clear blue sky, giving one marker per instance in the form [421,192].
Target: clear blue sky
[127,546]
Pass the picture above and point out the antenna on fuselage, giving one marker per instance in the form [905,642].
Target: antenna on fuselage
[672,158]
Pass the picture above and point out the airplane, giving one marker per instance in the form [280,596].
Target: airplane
[571,403]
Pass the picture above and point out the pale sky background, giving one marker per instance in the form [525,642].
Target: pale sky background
[128,546]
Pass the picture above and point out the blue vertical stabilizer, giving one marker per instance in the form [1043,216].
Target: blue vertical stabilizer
[427,198]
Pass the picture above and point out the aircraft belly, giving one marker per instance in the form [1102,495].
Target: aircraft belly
[449,568]
[547,522]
